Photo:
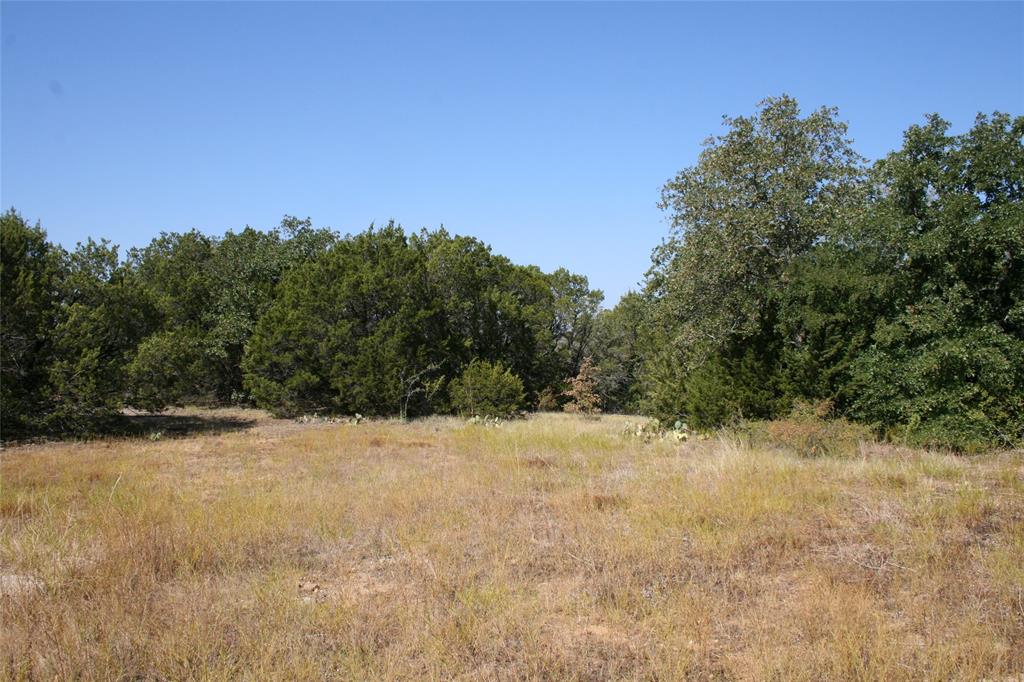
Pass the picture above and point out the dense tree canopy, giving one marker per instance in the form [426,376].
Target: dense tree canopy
[70,321]
[294,319]
[794,272]
[615,347]
[207,296]
[384,321]
[30,282]
[947,364]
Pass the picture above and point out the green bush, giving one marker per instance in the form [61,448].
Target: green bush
[732,386]
[486,390]
[930,381]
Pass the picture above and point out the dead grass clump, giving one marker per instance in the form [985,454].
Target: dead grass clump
[537,462]
[810,432]
[605,501]
[17,506]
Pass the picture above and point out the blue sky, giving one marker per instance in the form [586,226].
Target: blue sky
[544,129]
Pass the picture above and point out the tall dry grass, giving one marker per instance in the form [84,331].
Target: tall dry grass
[551,548]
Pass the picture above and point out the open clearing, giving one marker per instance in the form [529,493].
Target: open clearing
[549,548]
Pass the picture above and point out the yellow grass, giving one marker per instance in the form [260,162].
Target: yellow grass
[550,548]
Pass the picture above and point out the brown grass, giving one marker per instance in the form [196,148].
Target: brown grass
[548,548]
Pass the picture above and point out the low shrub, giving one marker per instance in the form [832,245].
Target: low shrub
[486,390]
[547,400]
[810,431]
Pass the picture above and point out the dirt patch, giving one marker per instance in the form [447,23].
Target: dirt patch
[576,633]
[311,592]
[356,587]
[379,442]
[363,585]
[604,634]
[15,585]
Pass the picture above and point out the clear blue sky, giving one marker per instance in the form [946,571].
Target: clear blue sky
[544,129]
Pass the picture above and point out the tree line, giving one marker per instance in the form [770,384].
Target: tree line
[794,272]
[296,319]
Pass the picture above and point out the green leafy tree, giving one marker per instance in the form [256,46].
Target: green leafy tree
[210,293]
[104,315]
[346,330]
[243,272]
[70,323]
[740,382]
[383,322]
[30,281]
[616,349]
[831,300]
[171,365]
[760,198]
[575,308]
[494,310]
[897,300]
[947,368]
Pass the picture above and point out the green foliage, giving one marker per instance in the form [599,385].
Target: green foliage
[760,196]
[947,367]
[792,275]
[70,322]
[209,294]
[740,381]
[740,384]
[486,390]
[928,381]
[292,319]
[662,369]
[900,299]
[383,322]
[615,347]
[167,366]
[572,324]
[174,273]
[494,310]
[104,315]
[827,310]
[345,330]
[30,279]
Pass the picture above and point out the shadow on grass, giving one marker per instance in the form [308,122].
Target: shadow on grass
[174,425]
[149,426]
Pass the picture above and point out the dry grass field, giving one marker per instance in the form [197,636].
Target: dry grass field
[550,548]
